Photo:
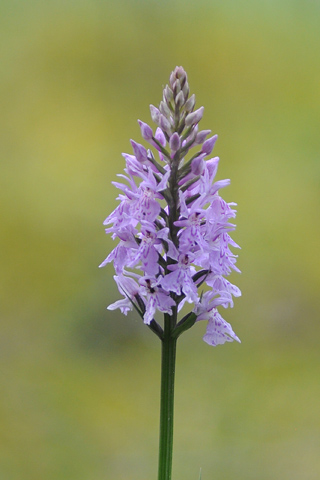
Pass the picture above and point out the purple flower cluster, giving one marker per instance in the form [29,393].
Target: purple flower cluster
[171,224]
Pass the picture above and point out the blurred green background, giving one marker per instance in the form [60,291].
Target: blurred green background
[79,384]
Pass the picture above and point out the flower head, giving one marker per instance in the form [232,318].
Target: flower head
[171,224]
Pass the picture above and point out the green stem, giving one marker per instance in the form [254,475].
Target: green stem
[168,360]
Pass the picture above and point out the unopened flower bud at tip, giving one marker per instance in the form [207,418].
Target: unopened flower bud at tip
[201,136]
[186,90]
[175,142]
[180,74]
[165,124]
[190,103]
[164,109]
[208,145]
[194,117]
[197,165]
[159,135]
[168,94]
[179,99]
[176,87]
[192,135]
[146,131]
[139,151]
[155,114]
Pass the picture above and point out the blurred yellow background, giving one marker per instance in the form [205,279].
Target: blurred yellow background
[79,384]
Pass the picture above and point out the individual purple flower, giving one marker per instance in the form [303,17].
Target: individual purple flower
[191,225]
[147,251]
[221,285]
[219,331]
[129,289]
[180,279]
[147,207]
[120,255]
[156,299]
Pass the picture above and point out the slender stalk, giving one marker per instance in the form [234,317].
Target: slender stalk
[168,360]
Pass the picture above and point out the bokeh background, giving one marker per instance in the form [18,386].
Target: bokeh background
[79,384]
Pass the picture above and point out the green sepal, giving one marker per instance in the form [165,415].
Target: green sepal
[189,183]
[157,165]
[162,149]
[186,168]
[187,322]
[192,199]
[198,275]
[186,133]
